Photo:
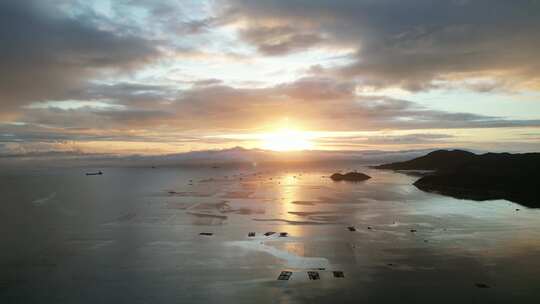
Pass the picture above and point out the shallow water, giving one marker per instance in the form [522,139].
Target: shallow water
[132,236]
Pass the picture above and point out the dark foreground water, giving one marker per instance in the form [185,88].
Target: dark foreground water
[132,236]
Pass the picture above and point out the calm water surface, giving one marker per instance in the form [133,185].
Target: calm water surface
[132,236]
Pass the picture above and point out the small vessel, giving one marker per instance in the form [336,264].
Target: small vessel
[94,173]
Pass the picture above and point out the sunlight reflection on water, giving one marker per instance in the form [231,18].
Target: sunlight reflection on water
[134,235]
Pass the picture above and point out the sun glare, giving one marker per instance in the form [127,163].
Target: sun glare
[287,140]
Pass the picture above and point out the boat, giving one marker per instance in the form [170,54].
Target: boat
[94,173]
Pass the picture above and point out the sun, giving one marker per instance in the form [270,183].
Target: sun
[287,140]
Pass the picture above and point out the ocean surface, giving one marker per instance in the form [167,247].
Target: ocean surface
[132,235]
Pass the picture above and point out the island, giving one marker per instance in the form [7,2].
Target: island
[350,177]
[489,176]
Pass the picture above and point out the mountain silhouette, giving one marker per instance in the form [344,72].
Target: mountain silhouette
[436,160]
[465,175]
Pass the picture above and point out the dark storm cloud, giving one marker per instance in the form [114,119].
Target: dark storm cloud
[44,53]
[410,43]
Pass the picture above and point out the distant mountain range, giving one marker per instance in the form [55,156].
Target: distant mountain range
[462,174]
[222,157]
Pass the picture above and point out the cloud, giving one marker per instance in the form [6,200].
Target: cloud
[45,53]
[207,82]
[127,93]
[227,157]
[317,88]
[317,103]
[97,118]
[280,39]
[409,44]
[174,72]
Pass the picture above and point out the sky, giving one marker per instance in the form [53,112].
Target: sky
[158,77]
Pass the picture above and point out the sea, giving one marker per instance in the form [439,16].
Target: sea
[203,234]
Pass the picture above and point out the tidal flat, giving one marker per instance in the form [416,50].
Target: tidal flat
[133,235]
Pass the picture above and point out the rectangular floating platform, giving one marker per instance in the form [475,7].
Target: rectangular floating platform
[338,274]
[251,234]
[283,234]
[284,276]
[313,275]
[269,233]
[206,233]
